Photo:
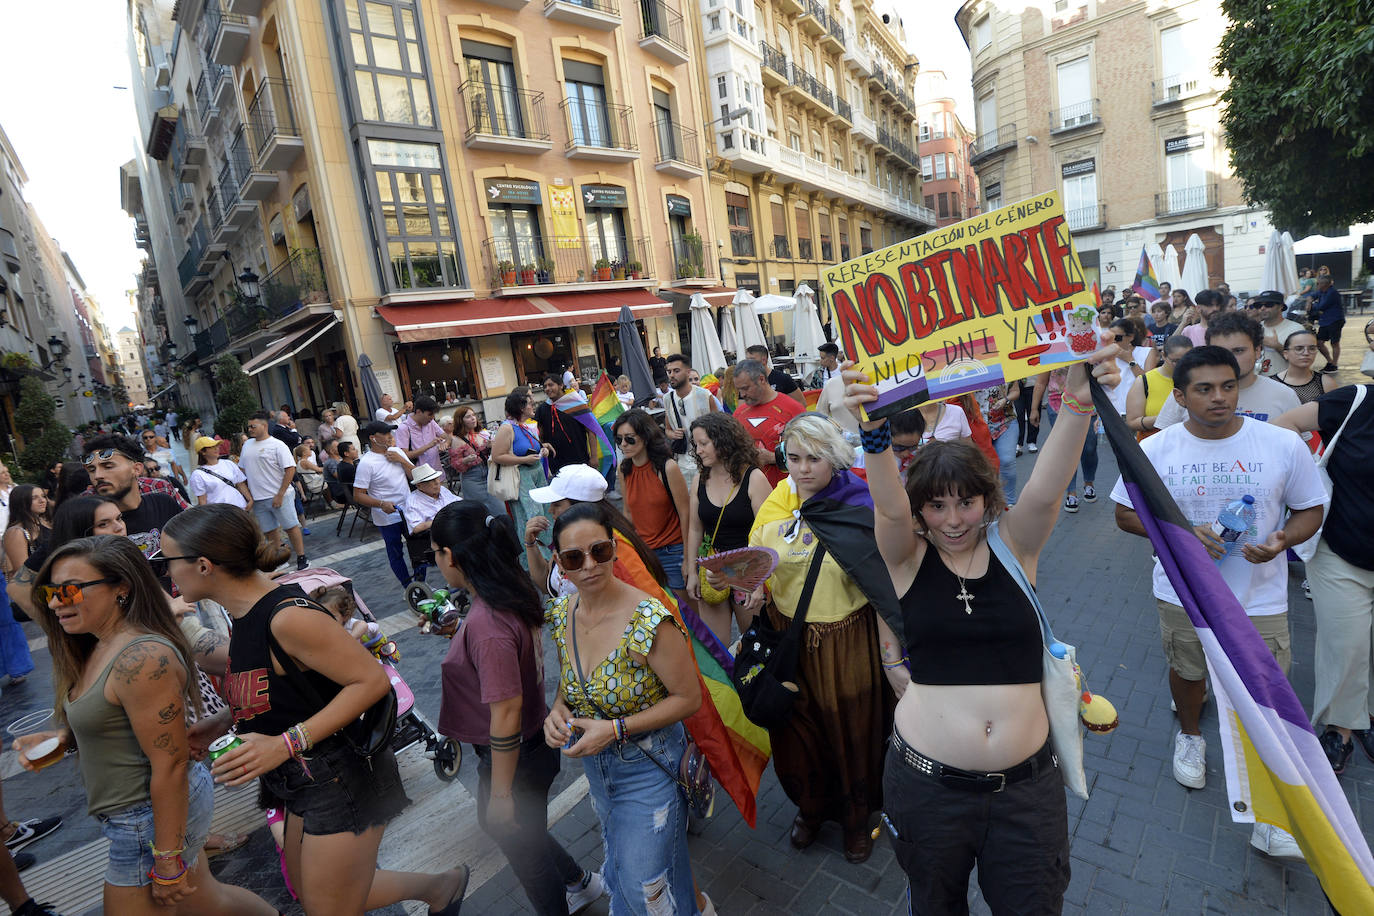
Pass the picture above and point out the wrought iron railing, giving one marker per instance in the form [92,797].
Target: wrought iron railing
[209,75]
[503,111]
[742,242]
[181,139]
[270,116]
[296,282]
[811,86]
[1183,200]
[774,59]
[212,207]
[599,124]
[189,265]
[805,251]
[782,247]
[827,251]
[687,257]
[836,30]
[1176,86]
[844,110]
[1081,218]
[1077,115]
[993,137]
[656,19]
[676,143]
[541,260]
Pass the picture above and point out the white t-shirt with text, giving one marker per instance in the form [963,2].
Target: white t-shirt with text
[264,463]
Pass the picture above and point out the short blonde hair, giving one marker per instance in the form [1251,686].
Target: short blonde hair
[822,437]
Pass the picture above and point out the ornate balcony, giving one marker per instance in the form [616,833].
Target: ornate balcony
[277,142]
[1073,117]
[1186,200]
[679,152]
[993,142]
[661,32]
[602,15]
[774,70]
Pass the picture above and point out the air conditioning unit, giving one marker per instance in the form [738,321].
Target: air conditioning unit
[162,70]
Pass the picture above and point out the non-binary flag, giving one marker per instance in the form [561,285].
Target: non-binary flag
[1146,283]
[1276,771]
[574,406]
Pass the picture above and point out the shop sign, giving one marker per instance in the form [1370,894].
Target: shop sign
[512,191]
[1183,144]
[679,206]
[604,195]
[1081,167]
[395,154]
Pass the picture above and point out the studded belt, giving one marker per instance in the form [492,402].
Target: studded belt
[967,780]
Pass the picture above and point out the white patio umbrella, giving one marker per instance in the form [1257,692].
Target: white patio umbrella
[1194,276]
[1271,276]
[1290,266]
[1156,256]
[747,323]
[1168,269]
[728,340]
[707,354]
[806,330]
[772,302]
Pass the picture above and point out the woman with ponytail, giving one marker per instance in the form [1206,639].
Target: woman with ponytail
[337,802]
[493,699]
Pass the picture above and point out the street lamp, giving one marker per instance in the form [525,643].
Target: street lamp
[248,284]
[171,349]
[67,373]
[57,346]
[190,321]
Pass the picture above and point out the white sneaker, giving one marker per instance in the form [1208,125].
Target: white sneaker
[710,908]
[1190,760]
[1070,503]
[1089,493]
[1276,842]
[1032,448]
[581,896]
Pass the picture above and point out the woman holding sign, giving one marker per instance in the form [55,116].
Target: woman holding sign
[970,777]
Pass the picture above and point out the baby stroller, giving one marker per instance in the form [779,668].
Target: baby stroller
[411,727]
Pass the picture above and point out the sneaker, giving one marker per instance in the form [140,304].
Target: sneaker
[1307,589]
[1338,751]
[584,893]
[1032,448]
[1276,842]
[1331,367]
[1089,493]
[1190,760]
[302,562]
[305,532]
[25,832]
[31,907]
[1070,503]
[710,908]
[1018,451]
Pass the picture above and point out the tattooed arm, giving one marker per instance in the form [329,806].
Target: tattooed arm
[20,588]
[149,681]
[209,650]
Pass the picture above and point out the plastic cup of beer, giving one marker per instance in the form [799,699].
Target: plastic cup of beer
[47,751]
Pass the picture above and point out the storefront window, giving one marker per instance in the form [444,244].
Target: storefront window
[442,369]
[541,353]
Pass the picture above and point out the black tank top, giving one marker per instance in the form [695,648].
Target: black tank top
[999,643]
[1309,390]
[735,524]
[263,701]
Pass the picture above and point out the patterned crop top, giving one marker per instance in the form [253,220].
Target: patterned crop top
[620,684]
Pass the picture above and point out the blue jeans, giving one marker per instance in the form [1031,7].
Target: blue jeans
[1006,459]
[671,558]
[643,825]
[130,832]
[1088,460]
[394,538]
[14,646]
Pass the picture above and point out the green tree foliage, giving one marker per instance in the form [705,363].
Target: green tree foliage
[237,400]
[45,439]
[1299,112]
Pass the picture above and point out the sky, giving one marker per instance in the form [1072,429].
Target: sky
[72,130]
[934,38]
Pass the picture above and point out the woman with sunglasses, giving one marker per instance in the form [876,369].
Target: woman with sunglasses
[627,682]
[493,698]
[125,685]
[1150,392]
[1300,349]
[655,491]
[1134,357]
[159,451]
[516,449]
[468,454]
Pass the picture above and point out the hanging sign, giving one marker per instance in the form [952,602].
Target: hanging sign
[512,191]
[679,206]
[563,214]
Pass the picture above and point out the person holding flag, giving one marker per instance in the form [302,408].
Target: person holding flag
[1242,457]
[567,437]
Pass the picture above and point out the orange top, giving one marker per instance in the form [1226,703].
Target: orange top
[651,507]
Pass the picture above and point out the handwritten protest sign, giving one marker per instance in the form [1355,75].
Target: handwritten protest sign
[995,298]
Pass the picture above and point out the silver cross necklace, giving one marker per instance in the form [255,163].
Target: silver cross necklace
[964,594]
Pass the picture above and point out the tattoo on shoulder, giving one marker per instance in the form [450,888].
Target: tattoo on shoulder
[131,662]
[207,642]
[168,713]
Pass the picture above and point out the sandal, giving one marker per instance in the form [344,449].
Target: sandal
[220,843]
[455,903]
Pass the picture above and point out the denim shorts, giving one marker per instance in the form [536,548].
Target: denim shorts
[271,518]
[671,558]
[343,792]
[130,832]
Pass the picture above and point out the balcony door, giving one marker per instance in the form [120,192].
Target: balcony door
[585,86]
[1080,195]
[495,99]
[1075,94]
[1186,174]
[987,121]
[516,235]
[664,128]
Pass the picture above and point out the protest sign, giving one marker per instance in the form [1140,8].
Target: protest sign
[995,298]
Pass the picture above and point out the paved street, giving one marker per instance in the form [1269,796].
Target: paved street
[1141,844]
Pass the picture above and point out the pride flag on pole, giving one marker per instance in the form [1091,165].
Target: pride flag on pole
[1276,771]
[605,403]
[1146,283]
[600,454]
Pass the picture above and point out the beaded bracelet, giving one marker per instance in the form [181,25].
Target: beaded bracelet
[878,440]
[167,880]
[1075,406]
[621,732]
[897,664]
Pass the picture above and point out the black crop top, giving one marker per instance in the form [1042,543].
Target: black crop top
[736,521]
[999,643]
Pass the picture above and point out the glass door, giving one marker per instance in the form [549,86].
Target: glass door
[496,104]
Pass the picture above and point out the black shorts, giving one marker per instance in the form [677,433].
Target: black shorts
[344,792]
[1331,331]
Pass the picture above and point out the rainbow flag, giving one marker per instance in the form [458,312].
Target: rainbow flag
[599,451]
[737,749]
[605,403]
[1276,771]
[1146,283]
[812,396]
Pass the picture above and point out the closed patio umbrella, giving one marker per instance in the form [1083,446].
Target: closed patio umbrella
[1290,266]
[1169,273]
[633,358]
[729,341]
[1194,266]
[707,354]
[807,332]
[749,329]
[372,389]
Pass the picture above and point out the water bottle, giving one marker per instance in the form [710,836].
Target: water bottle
[1234,522]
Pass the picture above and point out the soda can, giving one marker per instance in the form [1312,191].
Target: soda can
[223,745]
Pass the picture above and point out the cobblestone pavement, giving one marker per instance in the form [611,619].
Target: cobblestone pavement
[1141,844]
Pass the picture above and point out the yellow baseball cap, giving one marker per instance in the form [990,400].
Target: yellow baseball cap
[205,442]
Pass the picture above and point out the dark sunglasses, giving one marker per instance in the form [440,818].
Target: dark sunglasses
[148,436]
[903,449]
[70,592]
[104,454]
[625,440]
[161,563]
[576,557]
[1119,337]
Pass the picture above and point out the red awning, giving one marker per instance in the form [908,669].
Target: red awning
[480,317]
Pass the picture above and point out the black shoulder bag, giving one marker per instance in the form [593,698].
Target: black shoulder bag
[694,773]
[678,446]
[766,664]
[371,732]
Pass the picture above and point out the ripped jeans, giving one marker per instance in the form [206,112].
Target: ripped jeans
[643,825]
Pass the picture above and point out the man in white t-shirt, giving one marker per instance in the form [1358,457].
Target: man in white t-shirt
[382,484]
[1268,308]
[268,466]
[1261,398]
[215,481]
[1211,459]
[418,511]
[683,404]
[388,412]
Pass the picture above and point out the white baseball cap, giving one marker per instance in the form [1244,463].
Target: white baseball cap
[578,482]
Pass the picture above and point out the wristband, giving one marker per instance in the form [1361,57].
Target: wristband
[897,664]
[166,880]
[1075,406]
[876,441]
[164,853]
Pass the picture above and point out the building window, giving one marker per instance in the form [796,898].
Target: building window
[844,239]
[1080,193]
[388,63]
[930,201]
[803,218]
[1184,56]
[944,204]
[606,234]
[923,132]
[495,102]
[415,218]
[585,89]
[781,248]
[817,146]
[1186,174]
[987,120]
[940,170]
[1074,82]
[927,171]
[741,231]
[992,196]
[982,33]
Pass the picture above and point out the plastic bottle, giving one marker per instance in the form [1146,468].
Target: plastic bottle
[1233,523]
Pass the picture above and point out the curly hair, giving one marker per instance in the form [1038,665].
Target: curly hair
[655,442]
[734,449]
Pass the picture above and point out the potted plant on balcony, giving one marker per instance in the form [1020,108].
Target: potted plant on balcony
[603,269]
[617,269]
[526,274]
[635,270]
[545,272]
[685,270]
[506,270]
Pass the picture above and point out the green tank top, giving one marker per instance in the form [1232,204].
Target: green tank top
[113,766]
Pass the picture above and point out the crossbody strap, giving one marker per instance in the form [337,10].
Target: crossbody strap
[289,667]
[1018,575]
[721,516]
[1360,391]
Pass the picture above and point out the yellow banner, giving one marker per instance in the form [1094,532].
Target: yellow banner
[563,213]
[995,298]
